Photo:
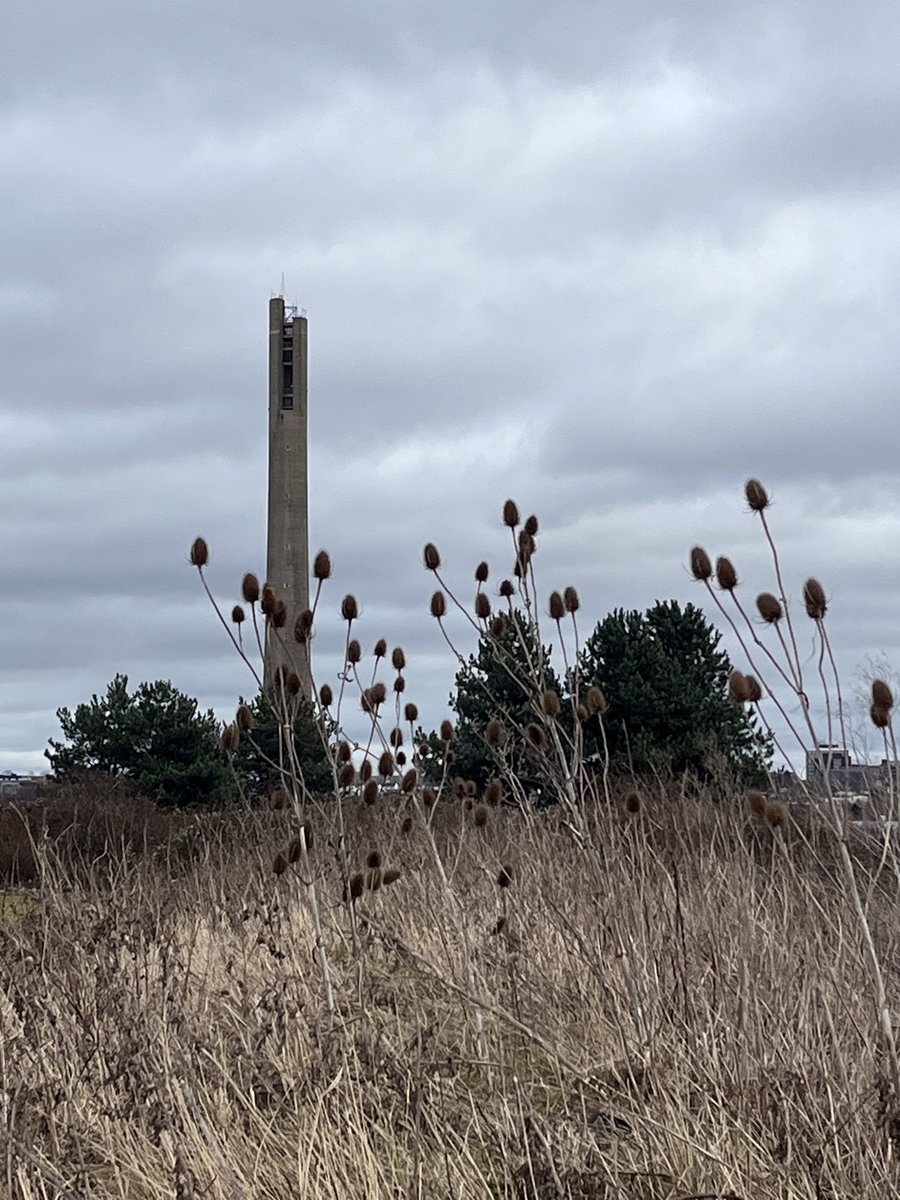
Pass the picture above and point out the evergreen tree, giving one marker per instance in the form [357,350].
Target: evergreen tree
[504,678]
[257,757]
[666,684]
[156,736]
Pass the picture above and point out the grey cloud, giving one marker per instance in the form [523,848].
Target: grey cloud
[603,258]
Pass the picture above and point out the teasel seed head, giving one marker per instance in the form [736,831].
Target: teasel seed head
[280,864]
[527,546]
[701,567]
[769,607]
[278,799]
[498,626]
[322,566]
[365,770]
[303,626]
[349,608]
[398,659]
[581,713]
[354,651]
[409,781]
[326,695]
[279,614]
[814,599]
[373,859]
[400,685]
[370,791]
[386,764]
[459,788]
[250,588]
[536,736]
[401,758]
[244,718]
[379,693]
[510,514]
[199,552]
[494,733]
[471,788]
[550,703]
[776,814]
[754,690]
[480,816]
[757,803]
[738,690]
[391,875]
[431,557]
[380,648]
[429,797]
[237,615]
[756,494]
[531,525]
[633,802]
[882,694]
[504,877]
[269,599]
[396,737]
[482,606]
[346,775]
[230,738]
[880,716]
[410,713]
[292,683]
[596,700]
[726,575]
[481,572]
[406,825]
[295,850]
[493,792]
[344,752]
[557,607]
[446,730]
[357,884]
[507,588]
[571,601]
[438,605]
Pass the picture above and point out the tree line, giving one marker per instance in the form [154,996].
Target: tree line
[662,675]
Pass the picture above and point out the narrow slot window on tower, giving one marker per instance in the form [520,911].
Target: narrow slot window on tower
[287,367]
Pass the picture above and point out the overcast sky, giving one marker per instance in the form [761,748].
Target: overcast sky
[609,258]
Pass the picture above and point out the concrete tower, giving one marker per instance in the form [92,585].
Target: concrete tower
[287,558]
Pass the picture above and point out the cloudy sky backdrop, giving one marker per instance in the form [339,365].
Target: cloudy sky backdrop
[606,258]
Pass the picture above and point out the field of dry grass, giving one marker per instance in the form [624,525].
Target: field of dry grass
[690,1016]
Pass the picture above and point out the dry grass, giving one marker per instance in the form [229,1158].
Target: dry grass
[164,1031]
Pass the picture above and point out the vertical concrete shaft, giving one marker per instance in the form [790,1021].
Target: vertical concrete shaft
[287,559]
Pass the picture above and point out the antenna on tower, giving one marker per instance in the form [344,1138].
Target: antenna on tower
[282,283]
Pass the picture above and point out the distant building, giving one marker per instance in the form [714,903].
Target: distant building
[844,774]
[287,557]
